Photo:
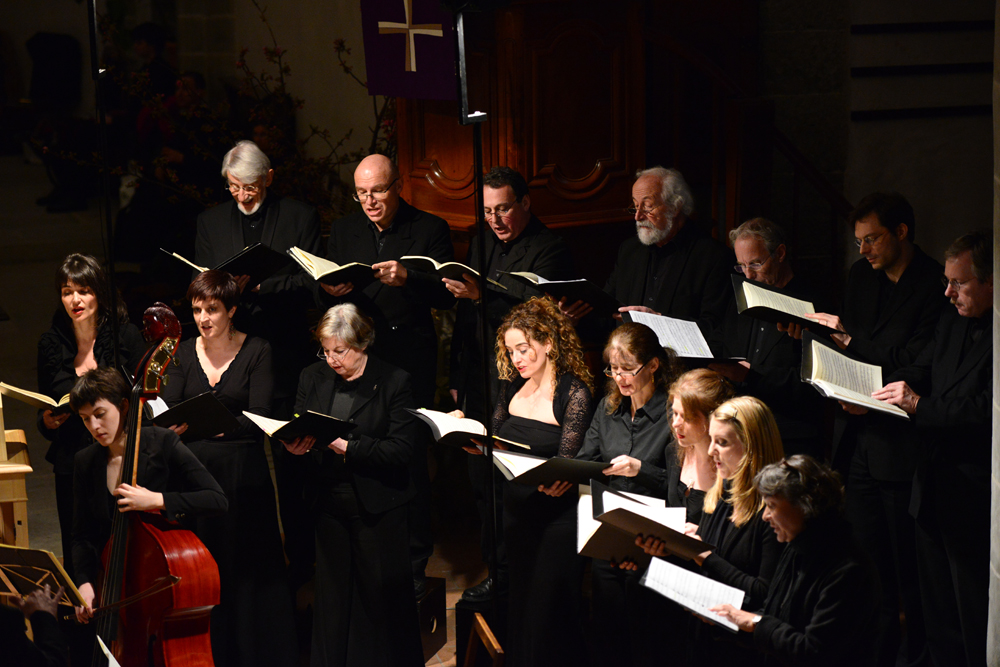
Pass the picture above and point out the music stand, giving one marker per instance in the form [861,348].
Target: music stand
[25,570]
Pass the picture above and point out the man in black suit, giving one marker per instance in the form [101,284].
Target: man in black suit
[274,310]
[949,391]
[892,304]
[399,300]
[519,242]
[771,369]
[670,267]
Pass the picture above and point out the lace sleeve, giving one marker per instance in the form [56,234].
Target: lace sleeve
[575,420]
[500,413]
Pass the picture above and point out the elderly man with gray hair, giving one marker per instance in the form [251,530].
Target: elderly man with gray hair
[274,310]
[670,267]
[770,370]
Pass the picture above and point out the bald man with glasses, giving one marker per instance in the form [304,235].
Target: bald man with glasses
[383,230]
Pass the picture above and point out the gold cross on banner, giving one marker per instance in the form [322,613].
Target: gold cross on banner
[388,28]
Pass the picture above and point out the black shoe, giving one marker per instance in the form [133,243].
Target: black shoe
[484,590]
[419,588]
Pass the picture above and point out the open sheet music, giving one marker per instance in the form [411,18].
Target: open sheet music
[573,290]
[535,470]
[773,305]
[682,336]
[596,539]
[692,591]
[323,270]
[835,375]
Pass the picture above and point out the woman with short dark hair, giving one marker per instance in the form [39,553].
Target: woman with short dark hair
[822,603]
[170,479]
[80,339]
[365,612]
[252,624]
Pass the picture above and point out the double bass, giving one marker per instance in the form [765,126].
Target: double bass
[160,582]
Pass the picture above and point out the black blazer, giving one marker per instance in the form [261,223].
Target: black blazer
[537,250]
[822,605]
[775,370]
[381,451]
[954,413]
[287,223]
[892,339]
[277,313]
[697,286]
[404,329]
[166,465]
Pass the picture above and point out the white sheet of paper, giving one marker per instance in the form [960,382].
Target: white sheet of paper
[671,517]
[757,296]
[692,591]
[111,659]
[845,372]
[682,336]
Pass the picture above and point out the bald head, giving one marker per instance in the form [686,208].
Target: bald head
[376,181]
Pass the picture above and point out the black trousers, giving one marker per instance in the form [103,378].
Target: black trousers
[365,611]
[64,507]
[879,513]
[953,556]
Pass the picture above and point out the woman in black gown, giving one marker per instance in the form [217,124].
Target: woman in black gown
[365,610]
[253,624]
[545,403]
[170,479]
[79,340]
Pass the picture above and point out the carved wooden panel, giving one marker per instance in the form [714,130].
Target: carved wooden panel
[562,84]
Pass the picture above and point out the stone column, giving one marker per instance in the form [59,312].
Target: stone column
[993,632]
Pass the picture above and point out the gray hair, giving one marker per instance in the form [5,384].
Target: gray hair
[805,483]
[346,322]
[980,244]
[675,191]
[246,161]
[763,229]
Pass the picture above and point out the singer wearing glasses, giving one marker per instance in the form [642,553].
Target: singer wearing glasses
[399,300]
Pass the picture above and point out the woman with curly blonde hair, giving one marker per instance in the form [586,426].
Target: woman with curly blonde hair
[544,403]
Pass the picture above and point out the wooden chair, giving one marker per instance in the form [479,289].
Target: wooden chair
[14,465]
[481,632]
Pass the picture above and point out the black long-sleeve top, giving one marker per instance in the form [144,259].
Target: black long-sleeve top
[822,606]
[745,556]
[571,405]
[165,466]
[57,375]
[49,648]
[646,437]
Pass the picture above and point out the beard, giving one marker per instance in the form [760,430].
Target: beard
[649,234]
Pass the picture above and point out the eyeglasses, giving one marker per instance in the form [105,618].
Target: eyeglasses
[625,374]
[377,195]
[332,354]
[645,210]
[870,239]
[752,266]
[498,212]
[249,189]
[953,284]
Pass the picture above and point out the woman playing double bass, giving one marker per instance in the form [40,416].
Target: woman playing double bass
[169,480]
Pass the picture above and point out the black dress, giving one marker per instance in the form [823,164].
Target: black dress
[253,624]
[56,377]
[544,624]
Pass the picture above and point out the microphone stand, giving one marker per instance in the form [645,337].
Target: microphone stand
[476,119]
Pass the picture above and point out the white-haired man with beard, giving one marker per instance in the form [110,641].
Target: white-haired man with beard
[670,267]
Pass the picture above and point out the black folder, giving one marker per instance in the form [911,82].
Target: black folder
[205,416]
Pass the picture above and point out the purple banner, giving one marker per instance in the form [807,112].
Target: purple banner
[409,49]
